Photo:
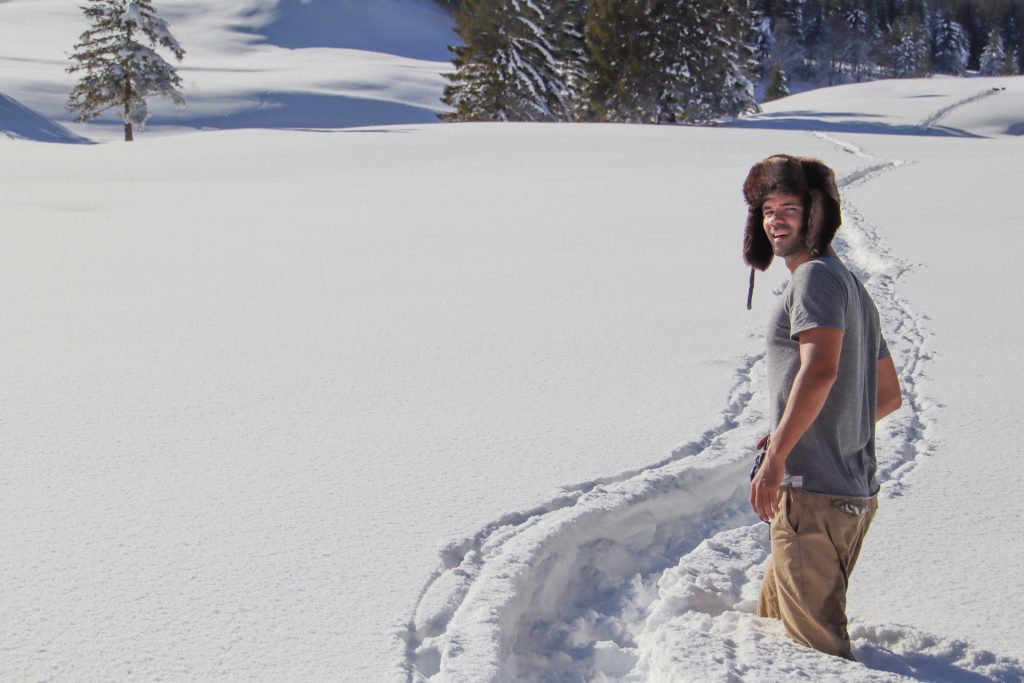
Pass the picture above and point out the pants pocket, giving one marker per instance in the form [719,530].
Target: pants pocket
[786,518]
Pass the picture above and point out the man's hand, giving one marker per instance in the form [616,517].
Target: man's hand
[764,489]
[819,364]
[763,443]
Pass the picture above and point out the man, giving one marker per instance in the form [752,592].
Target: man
[830,378]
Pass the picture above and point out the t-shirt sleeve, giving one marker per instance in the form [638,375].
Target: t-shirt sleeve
[819,299]
[883,348]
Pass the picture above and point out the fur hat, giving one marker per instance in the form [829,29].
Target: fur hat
[784,174]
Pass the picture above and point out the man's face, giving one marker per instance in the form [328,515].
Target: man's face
[783,224]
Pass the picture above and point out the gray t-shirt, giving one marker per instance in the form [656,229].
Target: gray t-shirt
[836,455]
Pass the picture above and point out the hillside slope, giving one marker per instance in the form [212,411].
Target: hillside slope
[249,64]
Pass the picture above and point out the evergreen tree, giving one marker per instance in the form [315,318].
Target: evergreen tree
[815,37]
[118,69]
[860,39]
[534,71]
[967,15]
[475,91]
[619,38]
[777,84]
[789,49]
[830,50]
[670,61]
[1015,39]
[572,59]
[508,68]
[725,88]
[905,51]
[950,48]
[766,47]
[993,57]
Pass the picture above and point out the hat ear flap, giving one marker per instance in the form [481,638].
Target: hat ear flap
[823,216]
[757,250]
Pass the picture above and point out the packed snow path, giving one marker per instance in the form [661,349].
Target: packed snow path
[589,586]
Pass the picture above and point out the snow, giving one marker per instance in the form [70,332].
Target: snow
[251,63]
[472,402]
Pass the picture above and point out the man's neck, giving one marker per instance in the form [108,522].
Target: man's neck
[794,261]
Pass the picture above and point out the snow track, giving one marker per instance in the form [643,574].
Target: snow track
[510,600]
[929,122]
[652,575]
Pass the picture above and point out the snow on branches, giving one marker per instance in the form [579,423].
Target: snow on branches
[657,61]
[119,64]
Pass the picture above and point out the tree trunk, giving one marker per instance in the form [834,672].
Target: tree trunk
[126,65]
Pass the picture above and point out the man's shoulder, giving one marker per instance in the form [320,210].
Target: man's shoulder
[822,275]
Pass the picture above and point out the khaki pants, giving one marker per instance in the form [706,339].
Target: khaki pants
[815,543]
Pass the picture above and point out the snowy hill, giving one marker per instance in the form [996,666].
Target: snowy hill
[249,63]
[475,402]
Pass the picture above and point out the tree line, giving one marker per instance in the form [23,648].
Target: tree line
[647,61]
[644,61]
[691,61]
[826,42]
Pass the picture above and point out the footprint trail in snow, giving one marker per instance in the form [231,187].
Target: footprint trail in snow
[652,575]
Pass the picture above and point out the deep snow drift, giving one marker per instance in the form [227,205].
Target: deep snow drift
[475,402]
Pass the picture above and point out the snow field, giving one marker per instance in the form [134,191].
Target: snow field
[606,635]
[253,377]
[248,64]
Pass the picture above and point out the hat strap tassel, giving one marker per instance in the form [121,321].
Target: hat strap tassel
[750,289]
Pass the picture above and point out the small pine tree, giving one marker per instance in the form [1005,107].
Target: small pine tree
[950,49]
[117,69]
[777,85]
[1009,64]
[993,57]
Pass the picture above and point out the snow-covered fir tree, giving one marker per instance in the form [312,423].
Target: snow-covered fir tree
[859,44]
[475,91]
[827,62]
[950,48]
[119,64]
[993,57]
[572,59]
[618,36]
[508,68]
[778,86]
[670,61]
[905,52]
[727,58]
[783,47]
[765,47]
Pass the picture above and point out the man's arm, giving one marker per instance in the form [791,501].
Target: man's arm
[819,364]
[889,399]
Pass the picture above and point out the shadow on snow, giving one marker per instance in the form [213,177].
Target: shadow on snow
[19,121]
[298,111]
[417,29]
[936,668]
[840,122]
